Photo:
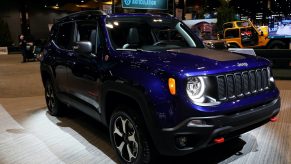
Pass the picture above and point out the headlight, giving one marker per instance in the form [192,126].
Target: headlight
[212,45]
[198,93]
[195,87]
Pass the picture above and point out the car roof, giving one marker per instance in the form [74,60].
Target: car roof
[92,14]
[88,14]
[142,15]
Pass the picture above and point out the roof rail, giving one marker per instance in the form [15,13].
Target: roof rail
[80,13]
[161,14]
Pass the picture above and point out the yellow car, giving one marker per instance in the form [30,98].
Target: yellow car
[243,34]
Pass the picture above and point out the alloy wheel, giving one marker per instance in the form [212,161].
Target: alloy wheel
[50,97]
[125,139]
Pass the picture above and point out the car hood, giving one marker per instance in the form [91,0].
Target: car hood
[194,61]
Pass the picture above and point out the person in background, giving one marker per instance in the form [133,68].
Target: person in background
[22,46]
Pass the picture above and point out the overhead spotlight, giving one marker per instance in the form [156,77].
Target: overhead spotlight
[56,6]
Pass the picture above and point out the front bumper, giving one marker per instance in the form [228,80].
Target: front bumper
[226,126]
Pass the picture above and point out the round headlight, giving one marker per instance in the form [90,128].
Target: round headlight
[195,87]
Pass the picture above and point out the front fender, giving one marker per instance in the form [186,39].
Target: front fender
[154,84]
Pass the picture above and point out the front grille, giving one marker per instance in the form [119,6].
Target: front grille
[231,86]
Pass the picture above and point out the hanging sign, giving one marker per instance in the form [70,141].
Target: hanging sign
[145,4]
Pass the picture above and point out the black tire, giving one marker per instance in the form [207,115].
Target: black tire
[128,137]
[55,107]
[277,44]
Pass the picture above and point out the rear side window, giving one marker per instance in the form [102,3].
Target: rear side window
[232,33]
[65,35]
[227,25]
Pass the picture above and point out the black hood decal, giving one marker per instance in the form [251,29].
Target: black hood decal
[210,54]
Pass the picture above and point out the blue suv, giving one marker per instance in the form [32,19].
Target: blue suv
[153,84]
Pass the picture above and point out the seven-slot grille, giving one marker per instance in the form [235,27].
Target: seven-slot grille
[240,84]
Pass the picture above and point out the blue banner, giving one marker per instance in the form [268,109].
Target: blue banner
[145,4]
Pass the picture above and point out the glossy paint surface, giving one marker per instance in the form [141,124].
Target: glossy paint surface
[150,71]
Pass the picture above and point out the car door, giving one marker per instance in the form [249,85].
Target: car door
[83,73]
[61,51]
[249,37]
[232,36]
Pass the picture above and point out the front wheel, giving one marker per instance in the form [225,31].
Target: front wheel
[55,107]
[128,138]
[277,44]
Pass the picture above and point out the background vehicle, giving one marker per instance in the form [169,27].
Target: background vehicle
[243,34]
[153,84]
[206,32]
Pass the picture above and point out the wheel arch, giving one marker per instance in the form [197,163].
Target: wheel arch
[283,42]
[115,94]
[46,73]
[134,96]
[233,45]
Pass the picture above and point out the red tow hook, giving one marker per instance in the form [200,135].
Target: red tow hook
[274,119]
[219,140]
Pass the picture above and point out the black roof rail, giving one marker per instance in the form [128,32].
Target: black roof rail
[162,14]
[82,13]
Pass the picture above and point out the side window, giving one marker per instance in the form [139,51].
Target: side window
[87,31]
[227,25]
[65,35]
[231,33]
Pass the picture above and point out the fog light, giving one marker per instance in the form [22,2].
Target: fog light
[181,141]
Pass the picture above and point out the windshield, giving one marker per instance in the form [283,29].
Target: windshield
[149,33]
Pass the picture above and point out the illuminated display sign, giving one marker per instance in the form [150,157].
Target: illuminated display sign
[145,4]
[280,27]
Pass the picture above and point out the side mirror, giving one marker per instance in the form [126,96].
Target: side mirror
[83,47]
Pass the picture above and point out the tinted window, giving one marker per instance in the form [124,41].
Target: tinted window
[232,33]
[243,24]
[149,33]
[65,35]
[169,34]
[227,25]
[87,31]
[120,35]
